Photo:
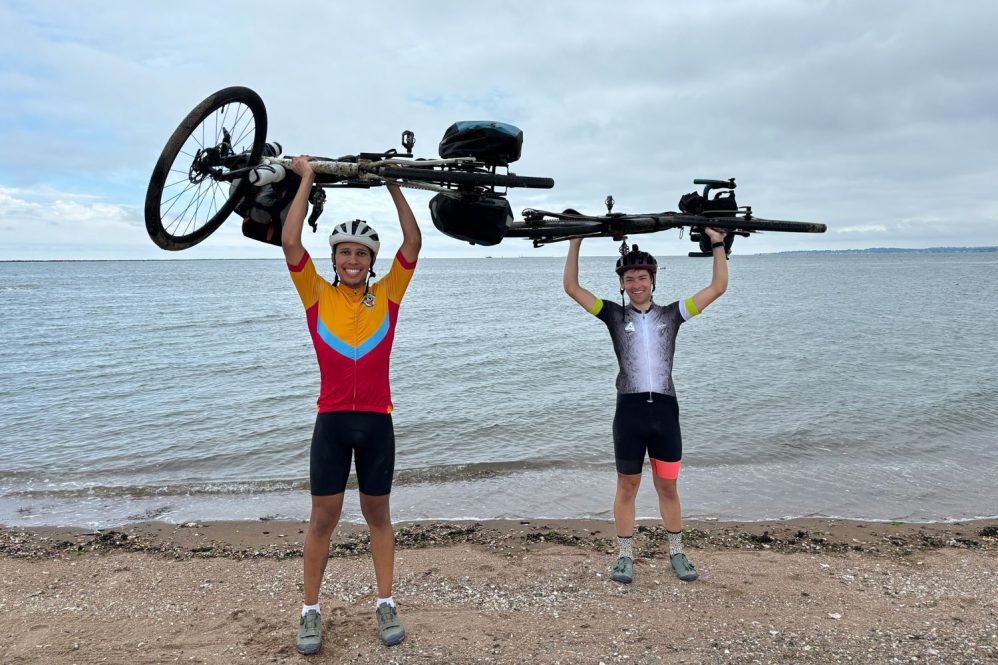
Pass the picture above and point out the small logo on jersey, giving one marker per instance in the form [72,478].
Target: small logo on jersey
[369,300]
[629,327]
[661,325]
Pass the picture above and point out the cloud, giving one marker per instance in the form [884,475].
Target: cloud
[870,118]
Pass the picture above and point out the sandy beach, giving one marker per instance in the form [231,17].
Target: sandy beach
[798,591]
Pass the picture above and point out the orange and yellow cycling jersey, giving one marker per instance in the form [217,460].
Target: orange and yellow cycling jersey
[352,334]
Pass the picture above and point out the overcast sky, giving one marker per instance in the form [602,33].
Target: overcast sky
[878,119]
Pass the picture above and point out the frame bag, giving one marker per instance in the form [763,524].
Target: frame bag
[477,220]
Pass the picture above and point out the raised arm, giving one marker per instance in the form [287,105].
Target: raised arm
[571,278]
[719,276]
[412,239]
[291,243]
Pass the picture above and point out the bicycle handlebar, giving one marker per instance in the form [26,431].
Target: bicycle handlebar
[727,184]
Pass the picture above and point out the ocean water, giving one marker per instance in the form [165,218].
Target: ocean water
[856,386]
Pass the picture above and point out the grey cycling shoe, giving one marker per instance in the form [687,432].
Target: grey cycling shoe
[309,633]
[390,629]
[684,569]
[624,570]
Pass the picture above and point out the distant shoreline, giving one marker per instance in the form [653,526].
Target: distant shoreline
[792,252]
[889,250]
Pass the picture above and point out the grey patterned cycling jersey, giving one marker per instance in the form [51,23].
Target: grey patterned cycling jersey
[645,343]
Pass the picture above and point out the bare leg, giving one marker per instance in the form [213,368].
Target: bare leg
[322,523]
[623,503]
[377,512]
[668,503]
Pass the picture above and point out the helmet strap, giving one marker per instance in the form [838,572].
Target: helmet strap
[336,275]
[367,285]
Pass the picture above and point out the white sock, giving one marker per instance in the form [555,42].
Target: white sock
[382,601]
[675,542]
[306,608]
[625,546]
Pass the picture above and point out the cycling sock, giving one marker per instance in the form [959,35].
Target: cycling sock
[625,545]
[381,601]
[306,608]
[675,542]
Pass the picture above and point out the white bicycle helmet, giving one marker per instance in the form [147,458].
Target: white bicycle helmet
[356,231]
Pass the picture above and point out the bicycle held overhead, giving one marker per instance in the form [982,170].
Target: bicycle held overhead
[220,150]
[698,211]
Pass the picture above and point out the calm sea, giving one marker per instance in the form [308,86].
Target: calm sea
[858,386]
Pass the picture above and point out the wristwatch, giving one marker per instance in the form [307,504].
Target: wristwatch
[715,245]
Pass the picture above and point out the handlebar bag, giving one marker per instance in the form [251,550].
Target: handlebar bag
[477,220]
[494,143]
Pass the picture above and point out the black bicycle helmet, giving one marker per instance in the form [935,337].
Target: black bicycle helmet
[636,260]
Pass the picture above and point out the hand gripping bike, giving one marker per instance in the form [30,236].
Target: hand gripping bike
[220,150]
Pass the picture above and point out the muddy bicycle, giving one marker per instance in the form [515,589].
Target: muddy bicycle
[219,153]
[714,207]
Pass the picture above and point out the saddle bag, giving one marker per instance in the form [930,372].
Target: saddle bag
[474,219]
[264,208]
[494,143]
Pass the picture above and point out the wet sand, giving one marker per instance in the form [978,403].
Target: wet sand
[797,591]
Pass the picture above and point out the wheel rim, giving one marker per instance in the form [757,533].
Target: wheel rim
[192,197]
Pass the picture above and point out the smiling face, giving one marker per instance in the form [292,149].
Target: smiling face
[353,263]
[638,283]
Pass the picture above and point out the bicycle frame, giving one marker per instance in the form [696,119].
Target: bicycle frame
[368,171]
[698,213]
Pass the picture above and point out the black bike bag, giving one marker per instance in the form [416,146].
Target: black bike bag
[494,143]
[477,220]
[264,209]
[722,205]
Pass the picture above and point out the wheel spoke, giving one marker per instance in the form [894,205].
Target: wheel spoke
[172,201]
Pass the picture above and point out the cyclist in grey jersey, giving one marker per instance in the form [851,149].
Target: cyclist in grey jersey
[647,415]
[645,343]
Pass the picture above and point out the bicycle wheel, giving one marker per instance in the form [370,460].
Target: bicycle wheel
[554,229]
[478,178]
[186,201]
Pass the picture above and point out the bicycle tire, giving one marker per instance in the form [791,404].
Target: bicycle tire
[476,178]
[554,229]
[176,231]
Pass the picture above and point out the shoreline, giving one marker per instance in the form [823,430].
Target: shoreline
[505,593]
[284,538]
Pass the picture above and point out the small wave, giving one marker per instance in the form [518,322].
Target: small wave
[181,489]
[404,477]
[481,471]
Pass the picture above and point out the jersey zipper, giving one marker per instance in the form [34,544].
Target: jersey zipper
[644,333]
[356,328]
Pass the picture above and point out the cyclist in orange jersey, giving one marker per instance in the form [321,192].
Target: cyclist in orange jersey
[352,324]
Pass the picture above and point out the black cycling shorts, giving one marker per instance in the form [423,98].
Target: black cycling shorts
[641,426]
[338,435]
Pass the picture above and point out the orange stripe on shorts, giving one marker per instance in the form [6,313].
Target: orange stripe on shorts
[667,470]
